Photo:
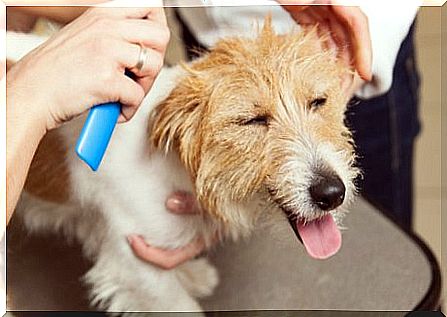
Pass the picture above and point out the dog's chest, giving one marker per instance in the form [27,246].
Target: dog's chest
[132,184]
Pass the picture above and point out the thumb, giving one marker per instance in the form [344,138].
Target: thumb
[182,203]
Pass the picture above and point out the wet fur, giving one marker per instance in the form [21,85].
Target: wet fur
[195,132]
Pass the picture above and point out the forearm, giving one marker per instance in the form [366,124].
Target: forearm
[59,14]
[23,134]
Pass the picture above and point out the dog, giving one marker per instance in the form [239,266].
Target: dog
[254,129]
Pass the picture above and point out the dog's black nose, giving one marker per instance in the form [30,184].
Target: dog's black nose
[327,191]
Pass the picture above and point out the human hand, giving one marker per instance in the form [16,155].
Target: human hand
[348,27]
[178,203]
[83,65]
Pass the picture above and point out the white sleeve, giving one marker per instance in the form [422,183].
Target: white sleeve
[219,20]
[389,24]
[20,44]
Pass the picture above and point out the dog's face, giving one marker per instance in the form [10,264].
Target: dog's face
[263,118]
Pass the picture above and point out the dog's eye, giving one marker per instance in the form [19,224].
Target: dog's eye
[259,120]
[317,103]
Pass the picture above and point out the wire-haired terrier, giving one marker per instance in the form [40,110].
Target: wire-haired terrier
[255,127]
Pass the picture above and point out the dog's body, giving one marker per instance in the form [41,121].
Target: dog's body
[241,128]
[126,196]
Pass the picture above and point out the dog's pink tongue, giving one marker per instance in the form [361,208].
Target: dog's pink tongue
[321,238]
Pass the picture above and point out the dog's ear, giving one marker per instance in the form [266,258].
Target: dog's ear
[174,122]
[268,30]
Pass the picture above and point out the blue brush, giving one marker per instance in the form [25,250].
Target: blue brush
[97,131]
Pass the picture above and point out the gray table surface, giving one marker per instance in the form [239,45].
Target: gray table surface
[378,268]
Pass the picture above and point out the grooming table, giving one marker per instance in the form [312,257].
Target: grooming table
[380,267]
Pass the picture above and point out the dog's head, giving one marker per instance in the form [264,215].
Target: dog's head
[264,118]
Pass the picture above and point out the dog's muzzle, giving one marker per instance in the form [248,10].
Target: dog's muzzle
[320,235]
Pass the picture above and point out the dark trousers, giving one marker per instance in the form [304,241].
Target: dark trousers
[384,130]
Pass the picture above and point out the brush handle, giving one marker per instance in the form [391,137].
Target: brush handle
[96,133]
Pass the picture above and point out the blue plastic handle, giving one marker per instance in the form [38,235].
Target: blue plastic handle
[96,133]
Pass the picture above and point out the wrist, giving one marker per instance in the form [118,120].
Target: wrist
[23,110]
[24,131]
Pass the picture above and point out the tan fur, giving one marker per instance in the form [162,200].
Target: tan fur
[276,76]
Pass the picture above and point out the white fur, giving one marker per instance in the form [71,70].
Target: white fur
[127,196]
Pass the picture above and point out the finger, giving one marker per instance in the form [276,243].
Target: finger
[351,83]
[341,39]
[329,42]
[295,6]
[130,95]
[357,25]
[145,82]
[294,10]
[182,203]
[129,56]
[306,21]
[338,32]
[152,64]
[127,113]
[165,259]
[317,14]
[121,119]
[320,16]
[303,18]
[144,32]
[158,15]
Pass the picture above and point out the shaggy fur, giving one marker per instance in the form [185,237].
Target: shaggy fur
[244,128]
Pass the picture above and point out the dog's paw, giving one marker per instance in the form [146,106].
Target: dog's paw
[199,277]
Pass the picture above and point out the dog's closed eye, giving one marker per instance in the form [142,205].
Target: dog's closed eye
[258,120]
[317,103]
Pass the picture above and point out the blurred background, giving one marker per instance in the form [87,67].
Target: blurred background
[430,191]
